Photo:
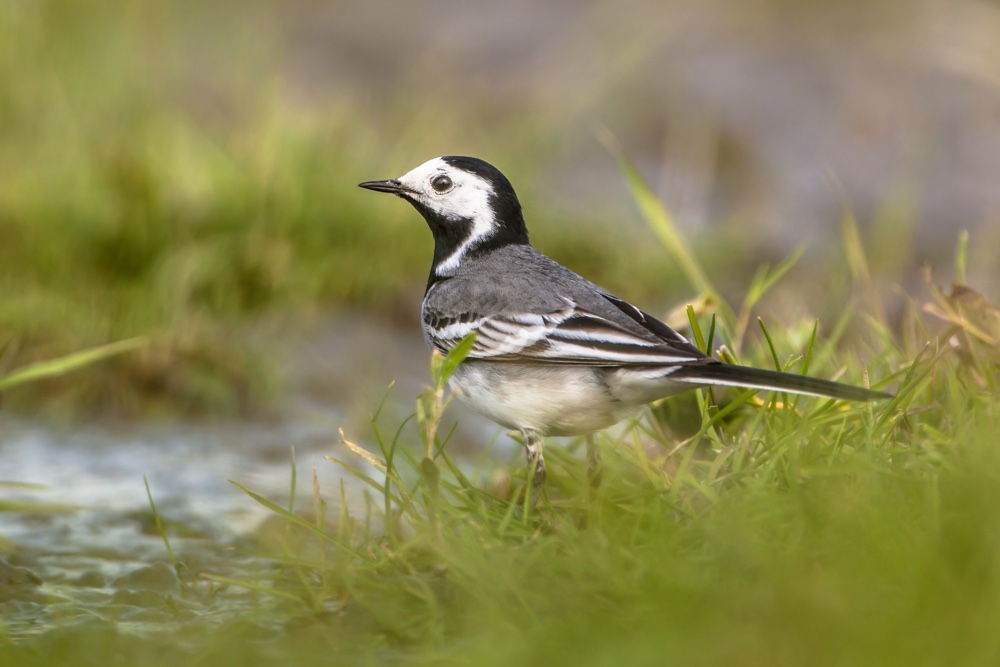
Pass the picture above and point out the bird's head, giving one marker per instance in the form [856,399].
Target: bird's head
[469,205]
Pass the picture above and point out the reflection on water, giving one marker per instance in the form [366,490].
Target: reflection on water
[102,557]
[99,471]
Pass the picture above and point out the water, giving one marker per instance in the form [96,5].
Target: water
[96,553]
[91,549]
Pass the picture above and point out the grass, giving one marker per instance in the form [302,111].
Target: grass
[761,532]
[810,532]
[780,533]
[731,528]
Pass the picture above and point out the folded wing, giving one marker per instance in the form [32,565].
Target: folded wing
[570,335]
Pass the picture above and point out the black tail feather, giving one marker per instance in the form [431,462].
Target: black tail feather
[755,378]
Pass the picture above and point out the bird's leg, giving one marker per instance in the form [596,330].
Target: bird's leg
[595,469]
[536,462]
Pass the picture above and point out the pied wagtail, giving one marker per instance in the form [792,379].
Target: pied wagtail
[554,354]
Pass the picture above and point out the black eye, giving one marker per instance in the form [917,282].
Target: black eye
[441,183]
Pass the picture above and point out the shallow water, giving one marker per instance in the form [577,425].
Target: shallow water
[98,471]
[97,553]
[91,549]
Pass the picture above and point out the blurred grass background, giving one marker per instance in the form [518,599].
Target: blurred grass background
[186,171]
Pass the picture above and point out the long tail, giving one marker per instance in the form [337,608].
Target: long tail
[756,378]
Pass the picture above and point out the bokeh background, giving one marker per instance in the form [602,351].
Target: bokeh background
[186,171]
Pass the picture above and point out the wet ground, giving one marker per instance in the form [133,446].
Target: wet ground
[84,547]
[93,549]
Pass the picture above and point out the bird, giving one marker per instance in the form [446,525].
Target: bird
[553,353]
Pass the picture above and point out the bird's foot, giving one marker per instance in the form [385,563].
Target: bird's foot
[595,468]
[536,463]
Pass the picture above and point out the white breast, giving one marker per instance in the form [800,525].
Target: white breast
[551,400]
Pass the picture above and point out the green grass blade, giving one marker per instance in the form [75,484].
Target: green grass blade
[445,366]
[961,256]
[770,344]
[699,338]
[68,363]
[770,278]
[659,219]
[711,336]
[294,518]
[160,529]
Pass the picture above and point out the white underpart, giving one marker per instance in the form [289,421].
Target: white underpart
[550,400]
[468,199]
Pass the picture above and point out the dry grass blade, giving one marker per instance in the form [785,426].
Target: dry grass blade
[967,309]
[363,453]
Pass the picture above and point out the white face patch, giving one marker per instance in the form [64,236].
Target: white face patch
[468,198]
